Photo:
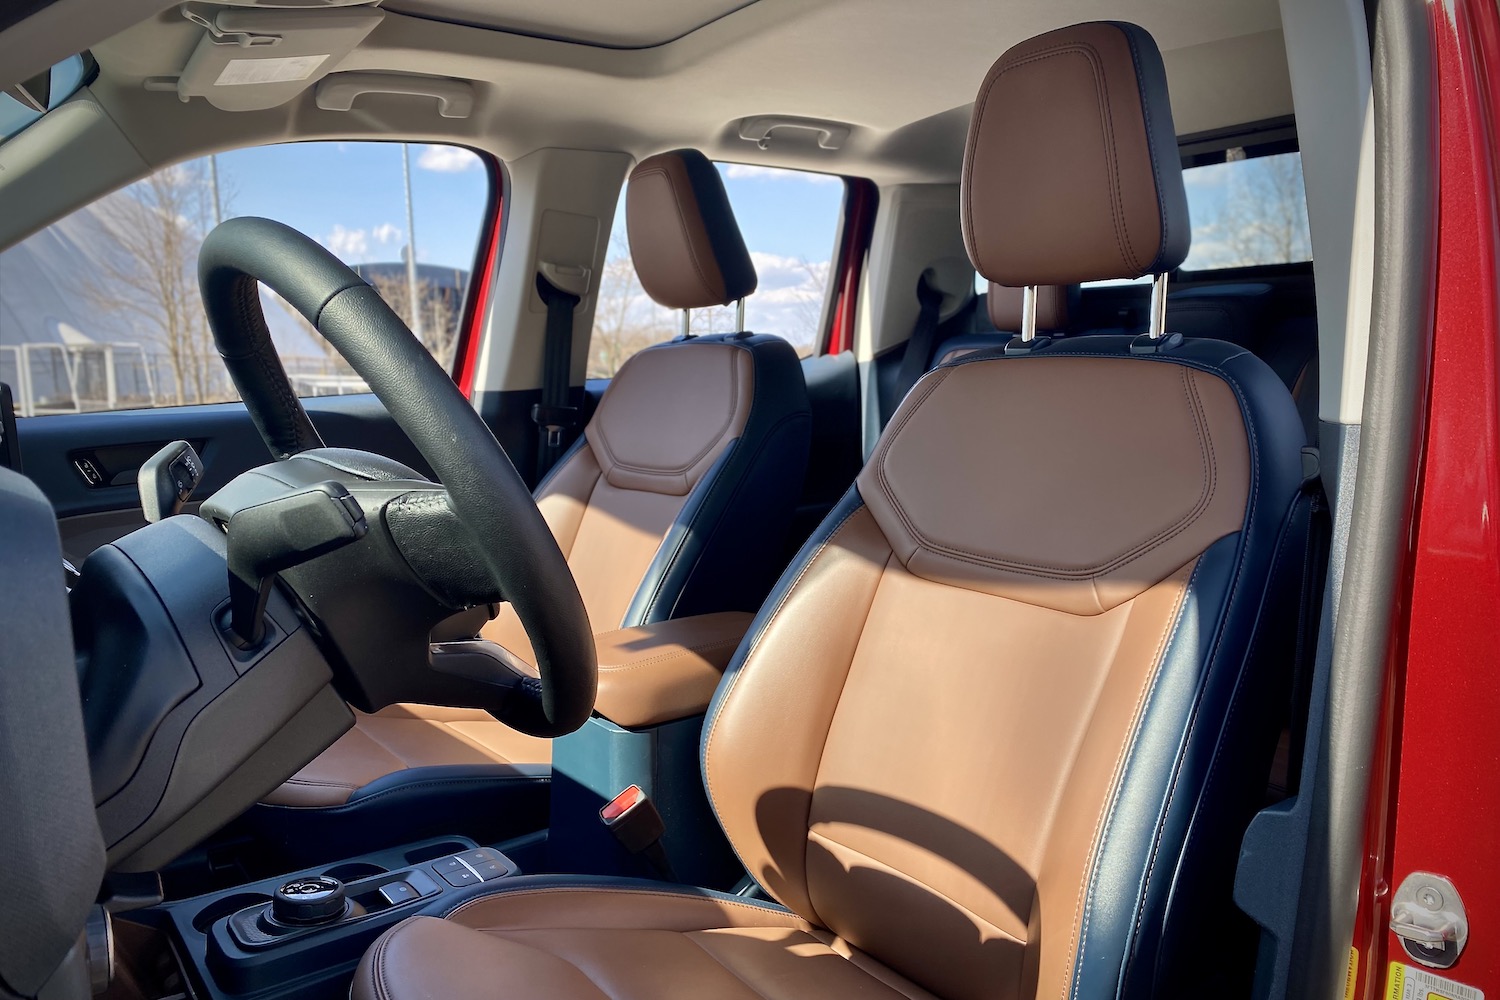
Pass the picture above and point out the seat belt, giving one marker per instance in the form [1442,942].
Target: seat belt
[919,346]
[555,414]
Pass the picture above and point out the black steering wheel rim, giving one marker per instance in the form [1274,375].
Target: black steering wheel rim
[482,486]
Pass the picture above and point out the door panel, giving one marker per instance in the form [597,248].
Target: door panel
[91,515]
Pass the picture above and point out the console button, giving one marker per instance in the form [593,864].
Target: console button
[445,865]
[478,857]
[396,893]
[490,870]
[461,878]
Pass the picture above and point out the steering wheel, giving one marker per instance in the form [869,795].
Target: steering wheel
[431,551]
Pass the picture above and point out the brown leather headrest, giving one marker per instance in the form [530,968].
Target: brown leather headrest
[1005,302]
[687,248]
[1071,171]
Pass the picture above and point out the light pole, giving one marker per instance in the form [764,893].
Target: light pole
[411,244]
[213,180]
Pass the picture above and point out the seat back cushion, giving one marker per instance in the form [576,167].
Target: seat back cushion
[684,478]
[955,731]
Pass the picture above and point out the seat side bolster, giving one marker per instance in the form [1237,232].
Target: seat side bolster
[1129,841]
[708,561]
[754,802]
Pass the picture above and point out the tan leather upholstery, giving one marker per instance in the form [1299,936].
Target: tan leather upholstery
[625,945]
[668,416]
[671,413]
[1109,545]
[1005,306]
[407,736]
[687,250]
[667,670]
[1039,638]
[1070,172]
[960,741]
[647,675]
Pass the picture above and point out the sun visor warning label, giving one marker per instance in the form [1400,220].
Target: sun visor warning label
[1407,982]
[241,72]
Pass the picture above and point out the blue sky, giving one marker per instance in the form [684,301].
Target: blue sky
[336,191]
[348,195]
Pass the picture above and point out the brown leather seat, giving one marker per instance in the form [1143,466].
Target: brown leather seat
[998,730]
[674,502]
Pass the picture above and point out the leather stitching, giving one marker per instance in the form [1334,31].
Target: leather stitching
[786,915]
[1123,243]
[928,886]
[1161,537]
[732,678]
[1079,937]
[689,935]
[717,441]
[1161,204]
[719,524]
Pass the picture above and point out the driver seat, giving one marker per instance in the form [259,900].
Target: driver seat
[675,501]
[998,731]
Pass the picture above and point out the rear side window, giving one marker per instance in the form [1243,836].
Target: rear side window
[100,311]
[790,220]
[1247,211]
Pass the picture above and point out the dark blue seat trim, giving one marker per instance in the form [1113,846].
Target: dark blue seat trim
[711,558]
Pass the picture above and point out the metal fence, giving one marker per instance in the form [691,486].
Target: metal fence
[48,378]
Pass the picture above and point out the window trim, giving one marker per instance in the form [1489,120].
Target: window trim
[852,251]
[482,277]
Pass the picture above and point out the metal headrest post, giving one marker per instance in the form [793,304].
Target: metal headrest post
[687,323]
[739,316]
[1157,326]
[1028,314]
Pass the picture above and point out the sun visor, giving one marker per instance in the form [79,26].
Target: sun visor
[255,58]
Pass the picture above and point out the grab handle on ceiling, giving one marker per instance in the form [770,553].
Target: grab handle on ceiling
[455,98]
[831,135]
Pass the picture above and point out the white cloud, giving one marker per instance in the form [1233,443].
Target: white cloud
[386,233]
[745,171]
[349,245]
[448,159]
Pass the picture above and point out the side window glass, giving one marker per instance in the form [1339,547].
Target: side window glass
[790,221]
[100,310]
[1247,211]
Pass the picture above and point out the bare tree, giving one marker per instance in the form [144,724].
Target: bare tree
[146,270]
[439,310]
[1266,214]
[625,318]
[1262,218]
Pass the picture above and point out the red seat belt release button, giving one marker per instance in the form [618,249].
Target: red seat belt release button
[633,819]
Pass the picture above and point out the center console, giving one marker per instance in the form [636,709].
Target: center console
[302,934]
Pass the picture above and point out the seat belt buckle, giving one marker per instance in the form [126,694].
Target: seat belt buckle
[633,819]
[554,420]
[636,824]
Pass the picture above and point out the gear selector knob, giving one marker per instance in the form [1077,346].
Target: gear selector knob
[316,900]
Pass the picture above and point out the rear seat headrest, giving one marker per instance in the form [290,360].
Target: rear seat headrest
[1071,171]
[687,248]
[1052,304]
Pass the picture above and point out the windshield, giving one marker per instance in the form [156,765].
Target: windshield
[47,89]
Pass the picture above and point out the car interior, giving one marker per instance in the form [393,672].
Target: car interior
[980,646]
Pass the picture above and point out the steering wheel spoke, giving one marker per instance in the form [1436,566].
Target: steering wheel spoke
[432,549]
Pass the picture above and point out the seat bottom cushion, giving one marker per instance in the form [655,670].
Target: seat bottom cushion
[403,737]
[618,943]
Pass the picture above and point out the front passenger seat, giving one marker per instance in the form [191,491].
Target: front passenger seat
[674,501]
[999,730]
